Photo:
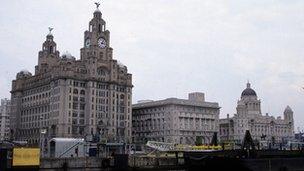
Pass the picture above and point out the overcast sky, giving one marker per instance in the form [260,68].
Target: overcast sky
[173,47]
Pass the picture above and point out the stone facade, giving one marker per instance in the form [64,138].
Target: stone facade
[261,127]
[74,98]
[175,120]
[4,119]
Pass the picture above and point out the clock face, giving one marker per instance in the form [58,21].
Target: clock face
[88,42]
[102,43]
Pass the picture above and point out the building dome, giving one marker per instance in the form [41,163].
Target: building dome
[97,11]
[249,91]
[67,55]
[288,110]
[26,72]
[23,73]
[120,64]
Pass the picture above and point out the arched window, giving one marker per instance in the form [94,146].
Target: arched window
[99,28]
[101,72]
[51,49]
[53,129]
[82,92]
[75,91]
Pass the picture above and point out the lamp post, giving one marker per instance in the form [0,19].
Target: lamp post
[165,130]
[41,135]
[205,131]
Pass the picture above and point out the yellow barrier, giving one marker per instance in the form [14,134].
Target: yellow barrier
[26,157]
[204,147]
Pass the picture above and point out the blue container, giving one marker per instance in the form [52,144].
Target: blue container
[93,152]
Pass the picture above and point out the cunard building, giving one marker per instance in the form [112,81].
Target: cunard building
[174,120]
[69,97]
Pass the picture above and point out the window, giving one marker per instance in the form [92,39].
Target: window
[75,114]
[82,92]
[75,98]
[101,72]
[75,106]
[82,106]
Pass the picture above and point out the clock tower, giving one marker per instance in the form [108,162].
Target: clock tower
[97,39]
[77,98]
[49,55]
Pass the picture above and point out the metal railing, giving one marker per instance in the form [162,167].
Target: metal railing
[69,149]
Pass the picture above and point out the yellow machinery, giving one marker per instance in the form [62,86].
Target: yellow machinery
[26,157]
[206,147]
[167,147]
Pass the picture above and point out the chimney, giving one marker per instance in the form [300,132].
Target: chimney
[196,96]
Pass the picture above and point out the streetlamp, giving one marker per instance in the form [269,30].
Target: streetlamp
[41,134]
[165,130]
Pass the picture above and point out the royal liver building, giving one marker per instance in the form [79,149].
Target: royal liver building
[67,97]
[261,127]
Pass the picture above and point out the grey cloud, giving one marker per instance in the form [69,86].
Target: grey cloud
[172,47]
